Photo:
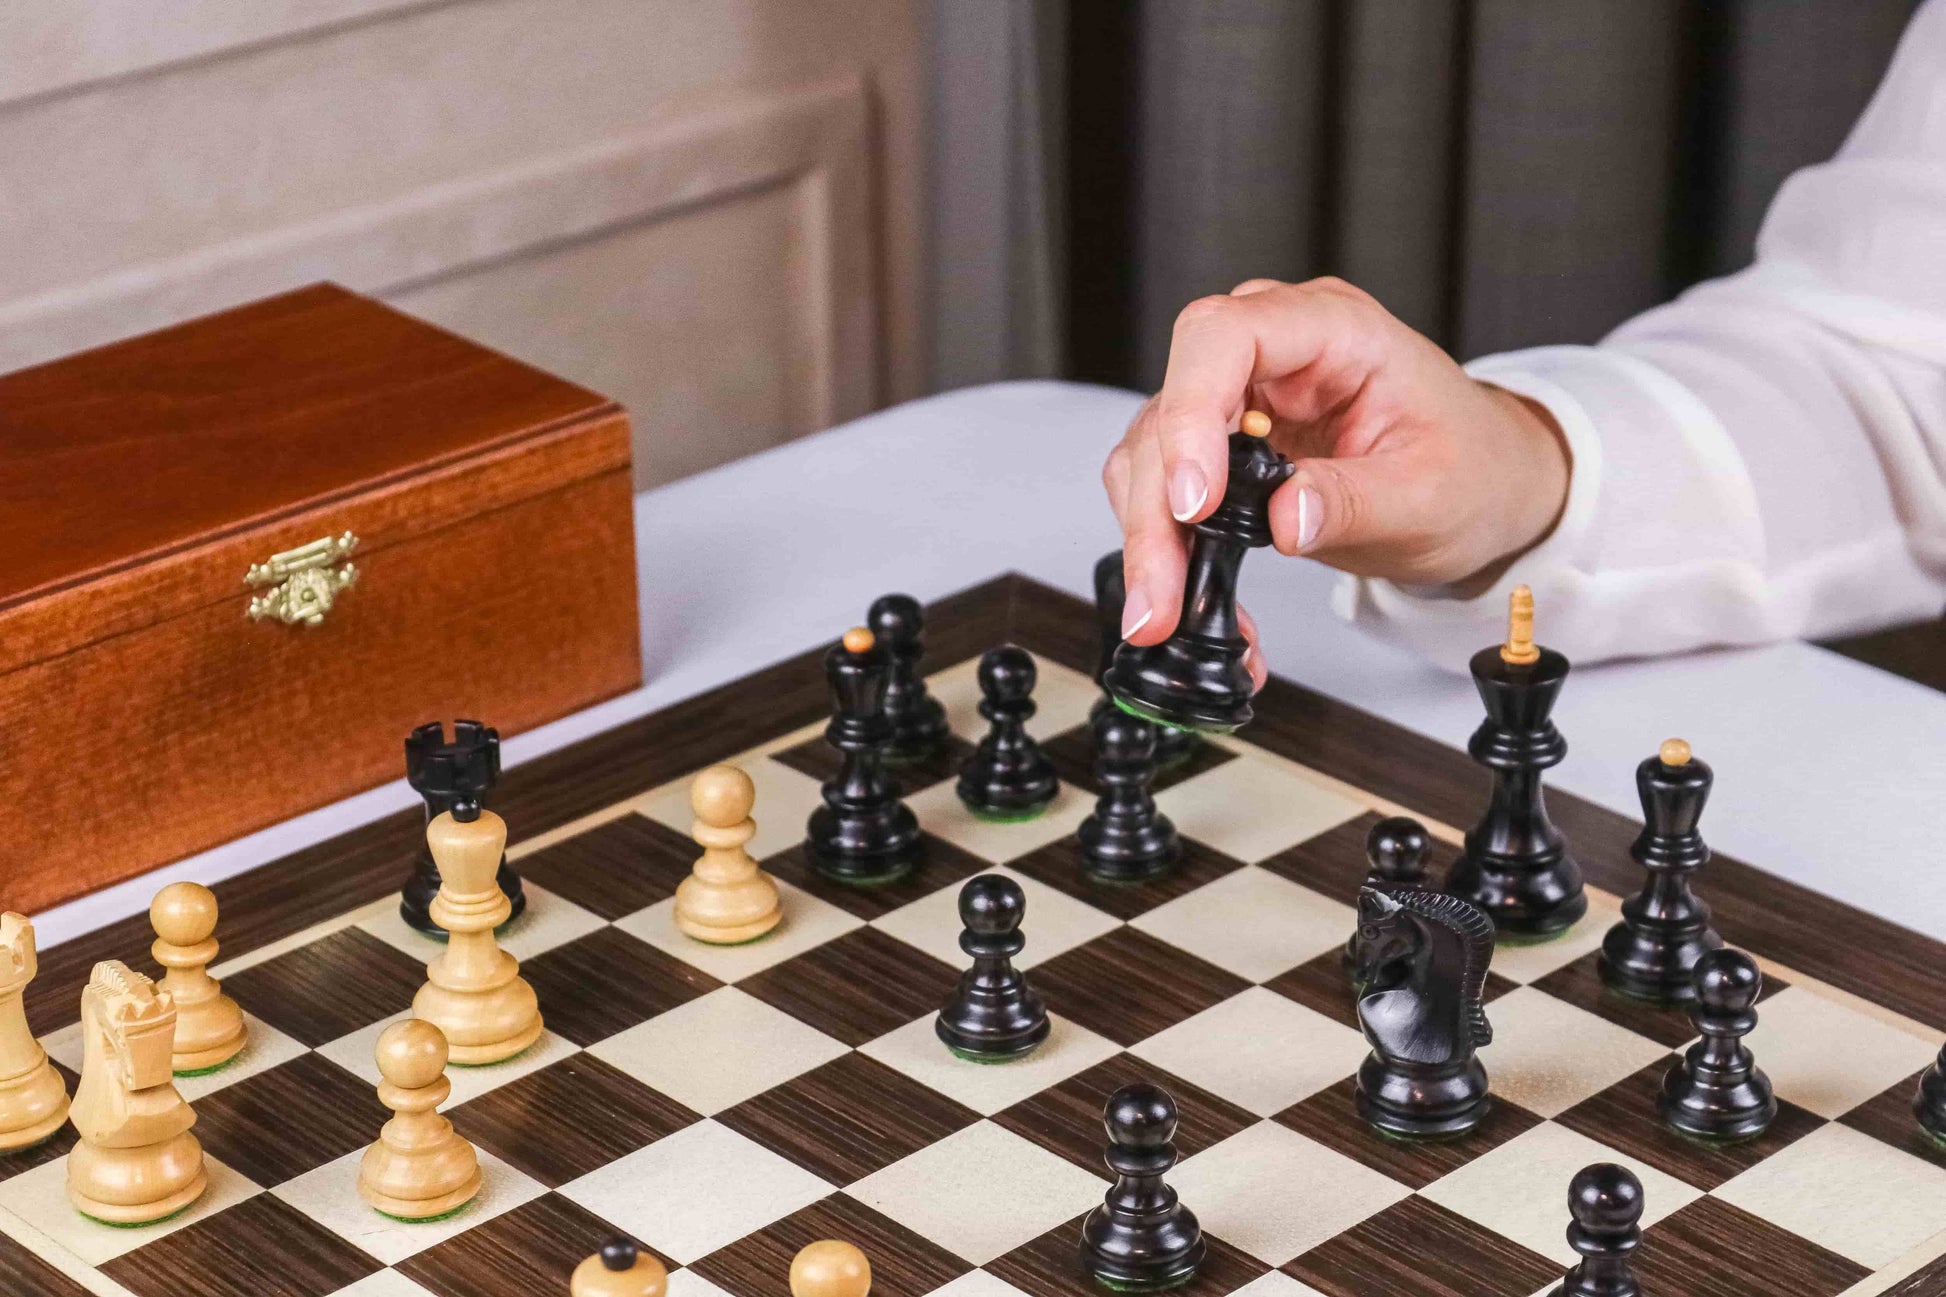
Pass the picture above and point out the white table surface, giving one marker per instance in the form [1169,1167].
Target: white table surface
[1828,772]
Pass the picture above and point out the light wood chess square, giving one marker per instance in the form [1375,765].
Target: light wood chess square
[1829,1058]
[1848,1192]
[694,1191]
[717,1050]
[1252,923]
[40,1198]
[1258,1050]
[1276,1194]
[1547,1055]
[1253,807]
[329,1196]
[915,1050]
[981,1192]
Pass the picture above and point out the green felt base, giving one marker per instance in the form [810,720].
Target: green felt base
[1007,817]
[1122,1285]
[426,1220]
[208,1071]
[1155,717]
[991,1060]
[137,1224]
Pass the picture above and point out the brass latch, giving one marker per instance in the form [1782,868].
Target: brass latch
[304,582]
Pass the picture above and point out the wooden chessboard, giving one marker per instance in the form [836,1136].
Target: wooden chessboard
[725,1106]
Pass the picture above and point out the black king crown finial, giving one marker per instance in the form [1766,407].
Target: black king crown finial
[459,773]
[1196,679]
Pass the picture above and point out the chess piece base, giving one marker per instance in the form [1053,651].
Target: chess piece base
[1114,856]
[482,1026]
[33,1105]
[1651,966]
[1146,1252]
[422,1209]
[1526,899]
[216,1035]
[1929,1103]
[721,936]
[1422,1100]
[1722,1112]
[1187,682]
[1001,1043]
[864,852]
[726,914]
[136,1186]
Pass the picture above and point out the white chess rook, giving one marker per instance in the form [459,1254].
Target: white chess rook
[33,1099]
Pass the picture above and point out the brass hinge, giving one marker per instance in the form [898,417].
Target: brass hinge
[304,582]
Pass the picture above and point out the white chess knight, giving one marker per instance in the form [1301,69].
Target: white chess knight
[136,1161]
[33,1098]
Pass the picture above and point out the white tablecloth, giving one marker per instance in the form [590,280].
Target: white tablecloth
[1828,772]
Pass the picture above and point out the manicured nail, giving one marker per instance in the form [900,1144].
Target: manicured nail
[1188,488]
[1135,612]
[1310,516]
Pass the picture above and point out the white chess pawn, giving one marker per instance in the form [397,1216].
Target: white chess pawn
[727,898]
[33,1098]
[830,1268]
[474,992]
[620,1269]
[136,1161]
[209,1026]
[420,1167]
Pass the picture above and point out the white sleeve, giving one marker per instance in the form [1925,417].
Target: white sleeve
[1765,457]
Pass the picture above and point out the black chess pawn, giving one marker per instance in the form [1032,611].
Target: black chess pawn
[862,834]
[1395,855]
[1929,1100]
[1421,973]
[1007,777]
[1127,839]
[1172,746]
[1605,1202]
[1196,679]
[992,1015]
[451,776]
[1516,866]
[1141,1237]
[1664,929]
[1716,1091]
[918,719]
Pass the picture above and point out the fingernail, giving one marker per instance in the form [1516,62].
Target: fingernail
[1187,490]
[1135,612]
[1310,516]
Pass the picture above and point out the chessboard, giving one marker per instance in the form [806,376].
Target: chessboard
[726,1105]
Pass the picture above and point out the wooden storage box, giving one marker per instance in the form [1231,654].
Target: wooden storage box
[145,487]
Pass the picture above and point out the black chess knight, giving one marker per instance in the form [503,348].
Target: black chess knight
[1716,1090]
[1126,839]
[1007,777]
[992,1015]
[1516,866]
[1172,746]
[1195,679]
[1141,1238]
[1422,967]
[863,834]
[1664,928]
[1395,856]
[451,776]
[918,719]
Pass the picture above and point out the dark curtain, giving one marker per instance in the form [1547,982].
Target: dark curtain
[1500,173]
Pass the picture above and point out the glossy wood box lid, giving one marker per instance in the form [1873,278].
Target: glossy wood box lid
[126,457]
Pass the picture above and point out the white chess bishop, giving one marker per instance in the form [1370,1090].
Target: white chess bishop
[33,1098]
[136,1161]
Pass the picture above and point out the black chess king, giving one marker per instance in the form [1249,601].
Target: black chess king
[1516,866]
[1195,679]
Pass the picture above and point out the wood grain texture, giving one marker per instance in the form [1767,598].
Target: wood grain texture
[1917,652]
[531,1249]
[329,987]
[1889,1117]
[29,1276]
[1059,865]
[1711,1249]
[277,1125]
[1384,1255]
[608,981]
[616,868]
[1047,1267]
[1331,1118]
[1128,985]
[1067,1118]
[569,1118]
[264,1245]
[856,988]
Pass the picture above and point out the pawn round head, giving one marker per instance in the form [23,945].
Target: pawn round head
[1140,1116]
[992,905]
[1727,981]
[830,1268]
[1396,848]
[411,1053]
[896,620]
[183,914]
[1122,737]
[722,796]
[1007,674]
[1605,1198]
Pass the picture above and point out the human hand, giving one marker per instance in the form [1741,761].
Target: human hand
[1407,469]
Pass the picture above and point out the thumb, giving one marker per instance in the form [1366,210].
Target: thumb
[1367,503]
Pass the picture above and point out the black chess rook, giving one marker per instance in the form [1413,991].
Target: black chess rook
[451,775]
[1716,1091]
[1195,679]
[992,1015]
[1515,865]
[918,719]
[1126,839]
[1422,968]
[1395,856]
[1605,1205]
[1141,1238]
[862,834]
[1007,777]
[1665,929]
[1172,746]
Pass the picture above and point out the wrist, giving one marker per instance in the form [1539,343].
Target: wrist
[1538,492]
